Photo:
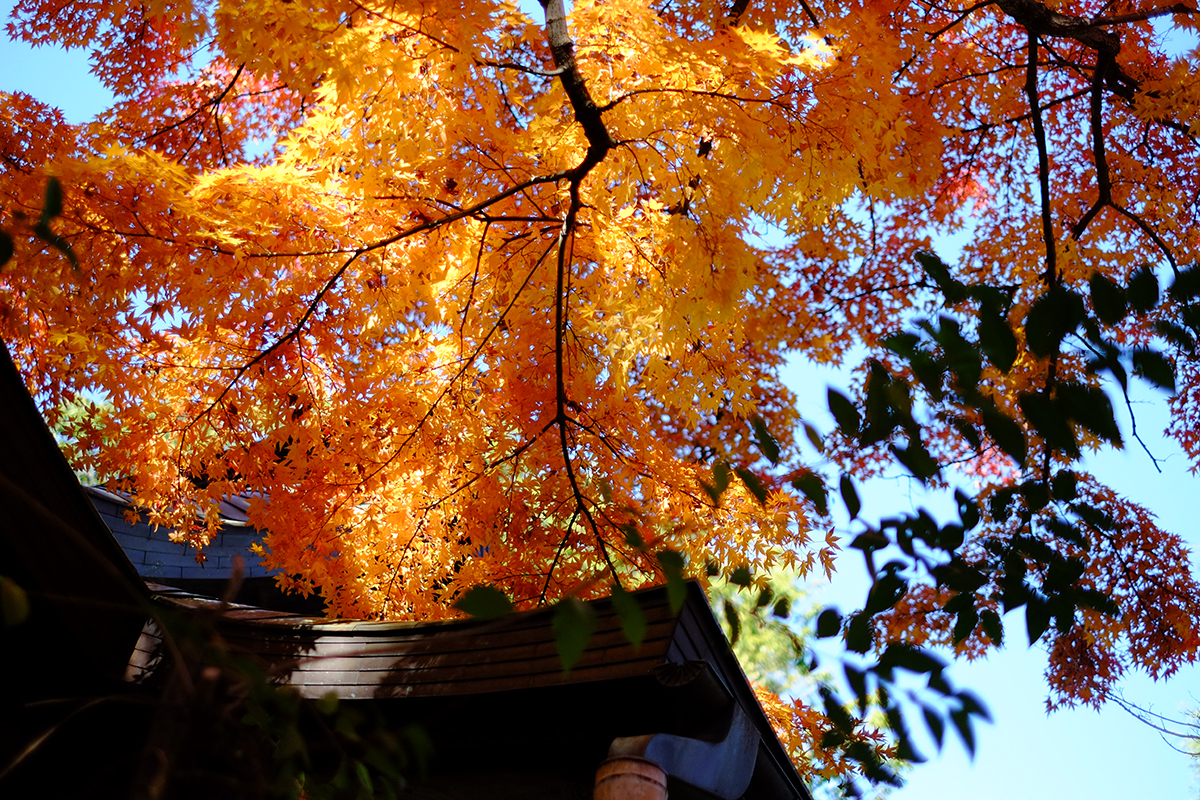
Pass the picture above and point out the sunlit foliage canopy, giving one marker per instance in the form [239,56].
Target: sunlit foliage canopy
[479,294]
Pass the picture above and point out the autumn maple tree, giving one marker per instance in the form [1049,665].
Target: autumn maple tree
[499,295]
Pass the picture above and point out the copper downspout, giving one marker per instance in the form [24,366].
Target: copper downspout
[630,778]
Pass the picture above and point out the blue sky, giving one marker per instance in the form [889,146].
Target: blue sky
[1069,755]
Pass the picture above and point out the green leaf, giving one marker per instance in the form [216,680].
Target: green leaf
[753,484]
[484,602]
[42,231]
[847,416]
[735,622]
[364,778]
[850,496]
[811,486]
[327,705]
[1108,299]
[829,622]
[720,482]
[6,248]
[672,567]
[1155,368]
[14,602]
[633,619]
[1143,289]
[573,624]
[765,441]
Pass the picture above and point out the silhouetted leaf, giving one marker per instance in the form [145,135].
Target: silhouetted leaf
[52,205]
[1143,289]
[573,624]
[1091,408]
[829,622]
[847,416]
[6,248]
[735,623]
[996,339]
[1186,285]
[14,602]
[937,728]
[1063,485]
[992,626]
[850,496]
[484,602]
[740,577]
[885,592]
[1037,617]
[954,290]
[1051,424]
[858,633]
[812,487]
[714,490]
[783,607]
[814,438]
[672,567]
[1108,299]
[1005,432]
[765,441]
[629,612]
[916,459]
[857,681]
[964,624]
[1155,368]
[1175,334]
[962,722]
[968,510]
[753,484]
[1055,314]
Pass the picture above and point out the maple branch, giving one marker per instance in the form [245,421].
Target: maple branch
[587,114]
[557,555]
[213,103]
[1039,135]
[1150,232]
[541,73]
[1103,181]
[962,15]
